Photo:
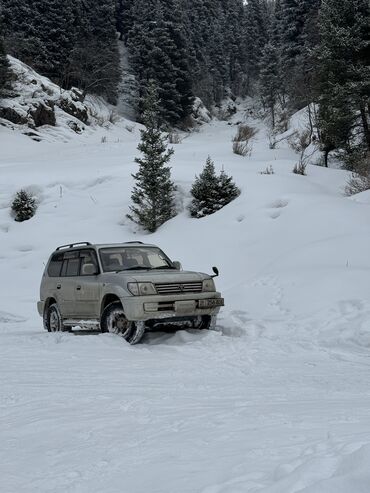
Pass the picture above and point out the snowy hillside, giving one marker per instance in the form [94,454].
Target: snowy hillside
[43,111]
[276,400]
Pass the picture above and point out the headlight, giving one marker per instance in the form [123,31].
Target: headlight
[141,288]
[209,285]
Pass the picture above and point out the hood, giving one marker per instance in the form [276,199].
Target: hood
[168,276]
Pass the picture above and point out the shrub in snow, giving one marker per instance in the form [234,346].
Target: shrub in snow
[153,194]
[241,148]
[174,138]
[23,206]
[241,141]
[299,141]
[357,183]
[359,180]
[272,139]
[268,171]
[300,168]
[245,133]
[211,192]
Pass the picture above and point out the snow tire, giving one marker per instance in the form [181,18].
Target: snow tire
[113,320]
[53,319]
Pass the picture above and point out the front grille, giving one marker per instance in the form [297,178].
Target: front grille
[177,288]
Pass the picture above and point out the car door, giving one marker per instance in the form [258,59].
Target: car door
[52,281]
[88,287]
[68,283]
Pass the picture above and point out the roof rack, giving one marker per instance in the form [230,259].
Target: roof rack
[73,245]
[129,242]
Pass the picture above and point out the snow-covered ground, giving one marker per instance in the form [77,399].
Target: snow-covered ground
[276,400]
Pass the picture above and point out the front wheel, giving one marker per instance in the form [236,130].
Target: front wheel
[208,322]
[53,319]
[113,320]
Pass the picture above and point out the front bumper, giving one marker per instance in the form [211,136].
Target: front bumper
[157,307]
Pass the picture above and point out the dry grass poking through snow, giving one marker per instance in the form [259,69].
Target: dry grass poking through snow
[242,140]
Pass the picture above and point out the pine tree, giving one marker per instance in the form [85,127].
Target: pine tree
[4,67]
[23,206]
[124,17]
[41,33]
[189,48]
[228,190]
[211,192]
[256,23]
[270,82]
[205,192]
[71,42]
[18,25]
[158,51]
[94,61]
[296,35]
[54,25]
[153,194]
[344,70]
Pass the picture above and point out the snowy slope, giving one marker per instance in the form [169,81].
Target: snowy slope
[275,401]
[44,111]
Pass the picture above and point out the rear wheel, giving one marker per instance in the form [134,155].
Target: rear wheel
[53,319]
[113,320]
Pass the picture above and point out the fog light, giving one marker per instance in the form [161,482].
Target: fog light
[151,307]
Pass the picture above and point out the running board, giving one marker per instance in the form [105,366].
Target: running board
[86,324]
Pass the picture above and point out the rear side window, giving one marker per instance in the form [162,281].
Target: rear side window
[55,265]
[73,267]
[70,264]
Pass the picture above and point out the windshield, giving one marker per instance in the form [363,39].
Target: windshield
[133,258]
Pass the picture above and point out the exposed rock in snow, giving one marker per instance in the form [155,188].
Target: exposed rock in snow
[200,113]
[226,109]
[36,103]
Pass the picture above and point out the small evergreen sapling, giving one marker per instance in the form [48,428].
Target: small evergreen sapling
[205,192]
[153,194]
[211,192]
[228,190]
[23,206]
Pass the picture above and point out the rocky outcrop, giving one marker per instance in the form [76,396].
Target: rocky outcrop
[38,104]
[12,115]
[42,113]
[73,106]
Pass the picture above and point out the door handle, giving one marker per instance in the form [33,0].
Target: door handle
[78,288]
[59,286]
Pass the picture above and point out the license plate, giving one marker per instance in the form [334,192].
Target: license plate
[212,302]
[185,306]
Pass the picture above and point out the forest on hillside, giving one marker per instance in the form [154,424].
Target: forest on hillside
[286,53]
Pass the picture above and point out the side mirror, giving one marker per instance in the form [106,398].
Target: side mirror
[89,270]
[177,265]
[215,270]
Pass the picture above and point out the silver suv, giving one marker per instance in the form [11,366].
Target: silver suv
[126,289]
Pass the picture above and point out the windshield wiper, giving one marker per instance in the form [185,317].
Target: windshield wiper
[164,267]
[139,267]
